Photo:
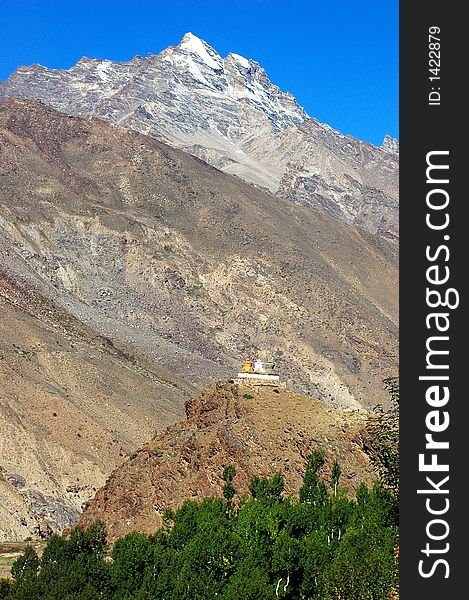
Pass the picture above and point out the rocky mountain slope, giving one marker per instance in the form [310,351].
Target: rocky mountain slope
[133,274]
[258,431]
[188,265]
[227,112]
[72,406]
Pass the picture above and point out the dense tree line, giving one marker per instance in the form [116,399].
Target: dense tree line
[322,545]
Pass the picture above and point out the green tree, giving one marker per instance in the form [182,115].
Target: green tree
[228,489]
[286,552]
[131,556]
[267,489]
[316,553]
[249,583]
[56,552]
[5,586]
[362,566]
[383,442]
[335,475]
[92,541]
[313,490]
[26,566]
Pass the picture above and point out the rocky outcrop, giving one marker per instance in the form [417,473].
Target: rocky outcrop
[258,431]
[390,145]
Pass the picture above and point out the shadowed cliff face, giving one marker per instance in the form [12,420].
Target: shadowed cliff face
[227,112]
[172,272]
[257,431]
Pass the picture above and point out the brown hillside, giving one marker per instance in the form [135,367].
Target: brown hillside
[133,276]
[259,431]
[192,267]
[72,406]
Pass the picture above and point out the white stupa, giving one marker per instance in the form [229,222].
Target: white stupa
[258,372]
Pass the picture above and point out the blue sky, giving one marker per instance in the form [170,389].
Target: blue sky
[339,58]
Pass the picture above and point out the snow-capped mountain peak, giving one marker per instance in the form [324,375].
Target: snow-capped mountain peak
[229,113]
[193,45]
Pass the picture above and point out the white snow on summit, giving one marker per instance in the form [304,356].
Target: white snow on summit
[104,69]
[195,45]
[242,61]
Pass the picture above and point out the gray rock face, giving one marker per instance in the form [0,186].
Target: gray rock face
[227,112]
[390,145]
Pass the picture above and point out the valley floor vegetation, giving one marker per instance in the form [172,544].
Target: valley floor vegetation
[321,545]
